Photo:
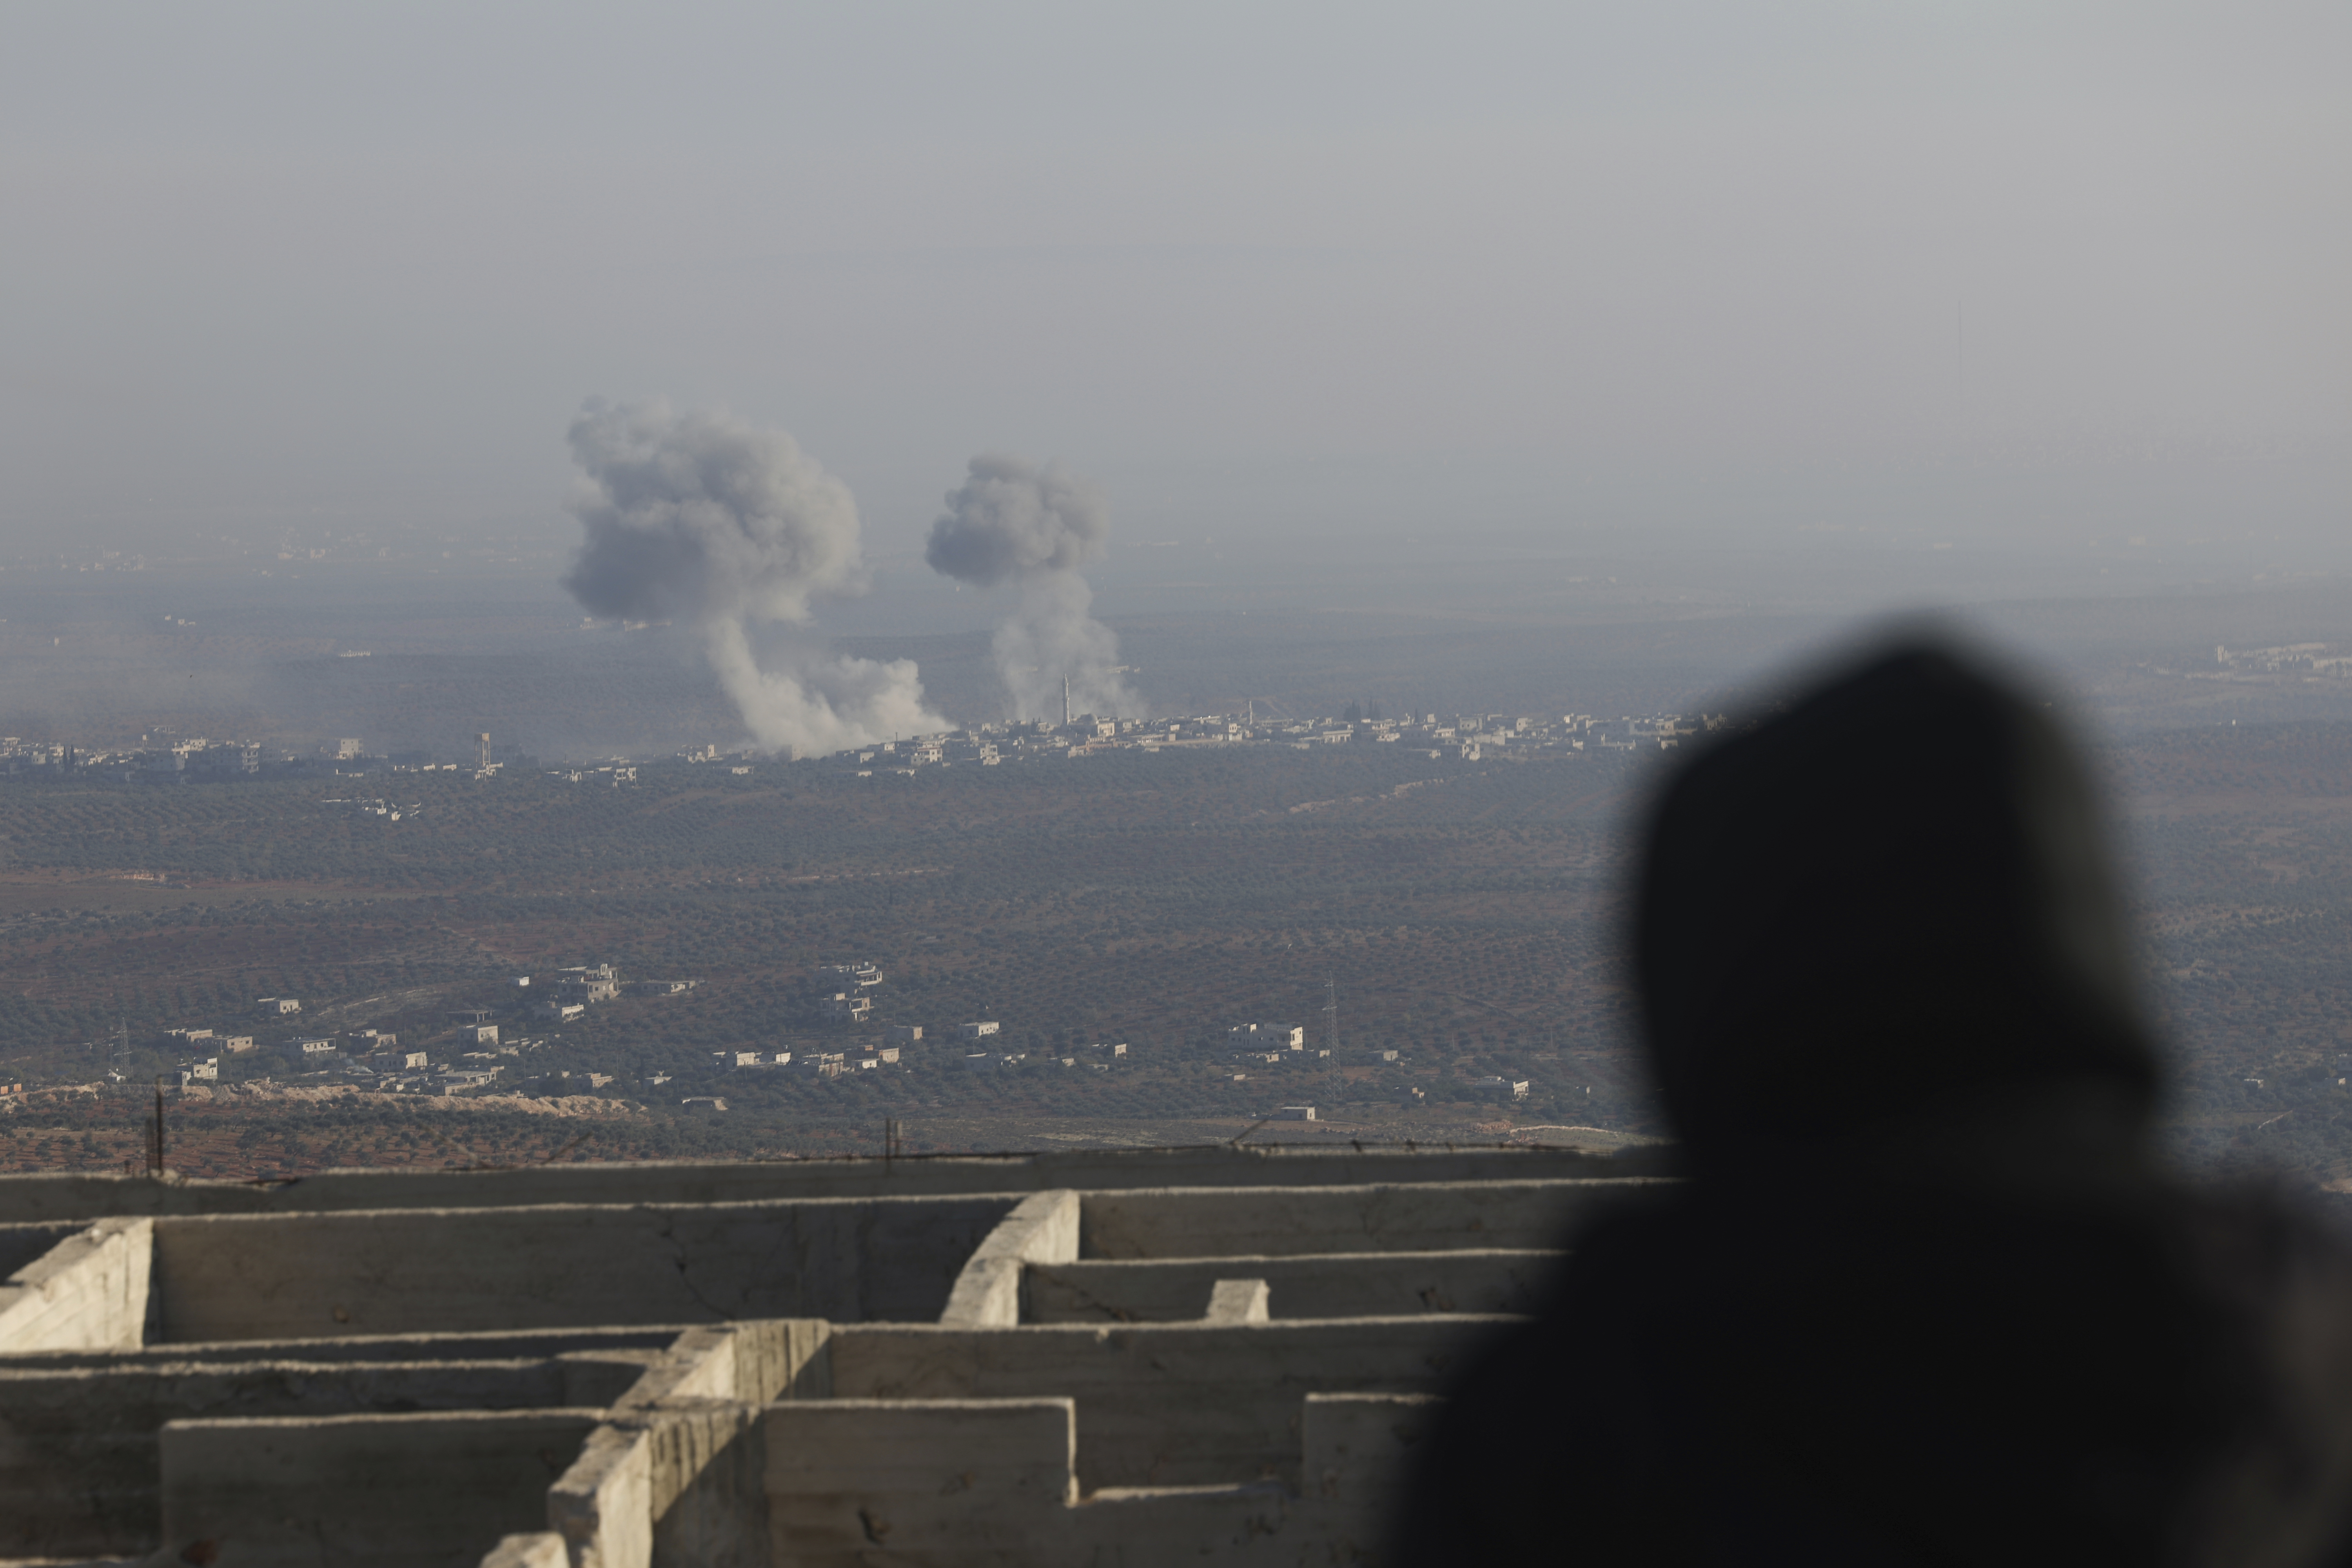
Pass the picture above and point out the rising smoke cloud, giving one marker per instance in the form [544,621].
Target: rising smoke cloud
[703,519]
[1012,523]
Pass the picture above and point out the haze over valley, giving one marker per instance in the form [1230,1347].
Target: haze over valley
[1133,526]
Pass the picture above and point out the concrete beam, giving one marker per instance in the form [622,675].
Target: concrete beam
[90,1292]
[411,1270]
[47,1197]
[497,1344]
[1326,1285]
[1043,1229]
[439,1489]
[1215,1222]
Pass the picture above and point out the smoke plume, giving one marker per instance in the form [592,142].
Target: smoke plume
[703,519]
[1014,523]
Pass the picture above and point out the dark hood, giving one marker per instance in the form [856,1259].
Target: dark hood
[1892,896]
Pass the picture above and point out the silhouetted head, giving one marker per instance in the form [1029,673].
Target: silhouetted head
[1891,898]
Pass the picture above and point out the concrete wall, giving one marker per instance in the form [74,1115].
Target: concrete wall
[428,1490]
[1332,1285]
[1043,1229]
[80,1451]
[406,1272]
[1213,1221]
[90,1292]
[500,1345]
[532,1549]
[58,1197]
[23,1243]
[1131,1429]
[673,1476]
[991,1484]
[1357,1451]
[979,1481]
[680,1474]
[1163,1405]
[711,1505]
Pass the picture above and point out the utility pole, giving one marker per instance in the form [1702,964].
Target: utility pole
[155,1148]
[1331,1038]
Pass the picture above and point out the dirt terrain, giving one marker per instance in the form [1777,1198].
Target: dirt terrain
[1462,918]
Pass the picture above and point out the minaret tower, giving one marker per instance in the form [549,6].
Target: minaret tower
[1066,702]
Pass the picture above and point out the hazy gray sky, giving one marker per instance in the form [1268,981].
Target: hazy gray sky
[1256,266]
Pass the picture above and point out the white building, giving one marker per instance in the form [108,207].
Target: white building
[979,1031]
[1282,1036]
[1295,1113]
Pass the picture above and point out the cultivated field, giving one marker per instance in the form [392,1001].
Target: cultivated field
[1466,922]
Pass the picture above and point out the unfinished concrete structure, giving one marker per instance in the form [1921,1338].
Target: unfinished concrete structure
[1130,1357]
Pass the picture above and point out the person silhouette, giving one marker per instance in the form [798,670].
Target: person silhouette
[1924,1295]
